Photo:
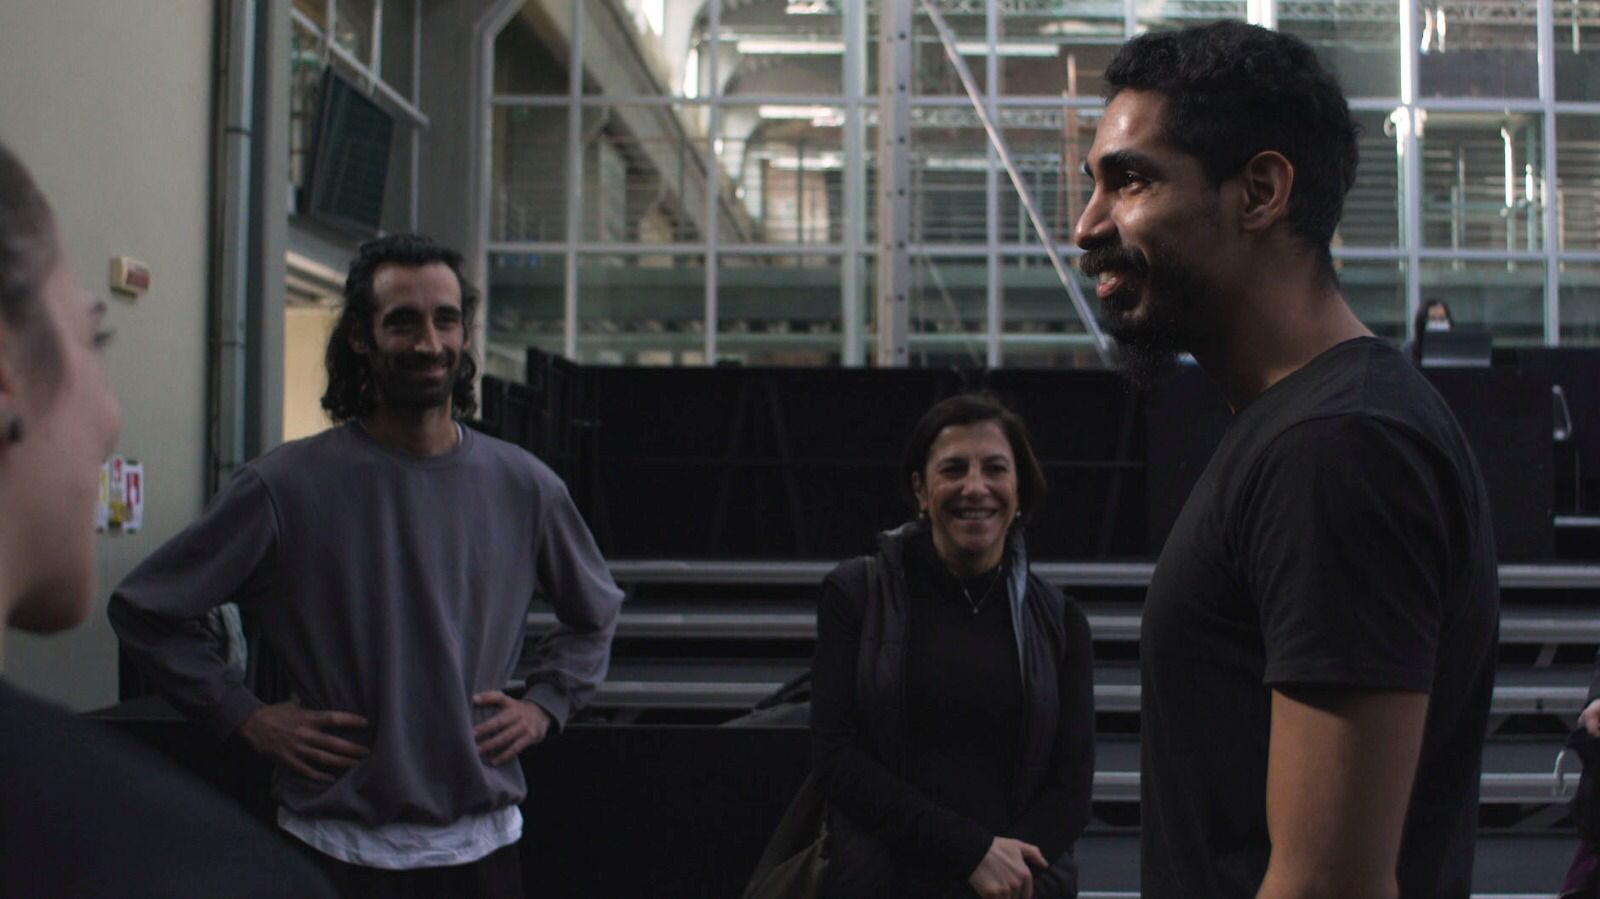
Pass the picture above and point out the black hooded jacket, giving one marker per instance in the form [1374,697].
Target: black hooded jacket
[883,830]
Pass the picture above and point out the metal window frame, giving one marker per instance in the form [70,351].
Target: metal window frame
[365,74]
[856,251]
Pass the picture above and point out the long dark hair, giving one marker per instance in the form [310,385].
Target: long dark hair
[970,409]
[351,393]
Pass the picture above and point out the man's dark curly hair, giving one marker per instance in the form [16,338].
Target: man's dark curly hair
[351,392]
[1234,90]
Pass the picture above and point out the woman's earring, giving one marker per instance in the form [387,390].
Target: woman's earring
[11,425]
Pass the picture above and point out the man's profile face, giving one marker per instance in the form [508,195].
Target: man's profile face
[1148,232]
[418,335]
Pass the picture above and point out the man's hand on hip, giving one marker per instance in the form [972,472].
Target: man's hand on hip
[514,728]
[296,738]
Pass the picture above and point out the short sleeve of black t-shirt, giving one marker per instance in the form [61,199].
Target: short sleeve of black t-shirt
[1341,537]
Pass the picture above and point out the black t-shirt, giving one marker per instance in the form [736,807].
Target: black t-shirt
[963,689]
[1339,536]
[85,811]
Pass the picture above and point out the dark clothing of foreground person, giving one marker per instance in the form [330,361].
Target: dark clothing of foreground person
[85,811]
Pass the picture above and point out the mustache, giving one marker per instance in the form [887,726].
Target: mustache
[424,360]
[1113,257]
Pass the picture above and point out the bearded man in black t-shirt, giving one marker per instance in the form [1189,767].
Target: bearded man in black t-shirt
[1318,644]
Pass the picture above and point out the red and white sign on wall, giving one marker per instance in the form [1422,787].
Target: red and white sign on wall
[121,506]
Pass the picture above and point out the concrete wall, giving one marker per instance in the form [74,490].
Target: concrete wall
[110,105]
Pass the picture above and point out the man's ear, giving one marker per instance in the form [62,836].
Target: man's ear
[1267,181]
[357,340]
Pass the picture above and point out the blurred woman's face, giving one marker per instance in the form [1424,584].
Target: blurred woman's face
[968,489]
[70,423]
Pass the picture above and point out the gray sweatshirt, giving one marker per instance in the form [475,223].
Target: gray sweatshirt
[389,585]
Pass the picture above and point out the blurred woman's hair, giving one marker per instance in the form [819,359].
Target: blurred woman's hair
[28,254]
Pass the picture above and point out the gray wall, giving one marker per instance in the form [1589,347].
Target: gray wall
[447,207]
[110,104]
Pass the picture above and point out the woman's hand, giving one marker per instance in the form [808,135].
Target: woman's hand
[1004,871]
[1590,719]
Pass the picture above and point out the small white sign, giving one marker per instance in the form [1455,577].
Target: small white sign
[121,505]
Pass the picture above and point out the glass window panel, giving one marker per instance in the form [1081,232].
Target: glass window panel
[869,157]
[1478,48]
[1376,292]
[784,166]
[1060,50]
[871,64]
[644,176]
[932,72]
[1372,209]
[1358,39]
[315,10]
[869,307]
[641,309]
[528,182]
[397,187]
[948,162]
[1505,298]
[1037,311]
[526,307]
[1578,181]
[773,48]
[1170,15]
[1577,46]
[1580,304]
[305,80]
[780,310]
[352,27]
[1481,180]
[949,310]
[1048,145]
[399,44]
[523,64]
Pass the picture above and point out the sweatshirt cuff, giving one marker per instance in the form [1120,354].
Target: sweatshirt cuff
[963,848]
[236,705]
[554,702]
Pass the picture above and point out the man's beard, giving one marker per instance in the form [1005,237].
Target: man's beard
[1149,344]
[398,390]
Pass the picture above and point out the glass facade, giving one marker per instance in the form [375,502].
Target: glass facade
[375,44]
[714,195]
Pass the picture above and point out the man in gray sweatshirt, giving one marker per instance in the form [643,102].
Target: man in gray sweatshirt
[390,562]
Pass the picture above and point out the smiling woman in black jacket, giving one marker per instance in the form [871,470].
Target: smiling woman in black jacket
[952,707]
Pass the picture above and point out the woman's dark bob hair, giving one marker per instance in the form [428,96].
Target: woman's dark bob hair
[969,409]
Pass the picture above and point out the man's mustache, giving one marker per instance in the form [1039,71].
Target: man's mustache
[1112,258]
[412,361]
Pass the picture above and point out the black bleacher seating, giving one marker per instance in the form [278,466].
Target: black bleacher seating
[798,463]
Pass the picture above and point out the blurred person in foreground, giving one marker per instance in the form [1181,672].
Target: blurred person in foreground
[952,704]
[1318,637]
[84,811]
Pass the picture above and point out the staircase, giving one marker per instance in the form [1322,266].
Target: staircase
[700,642]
